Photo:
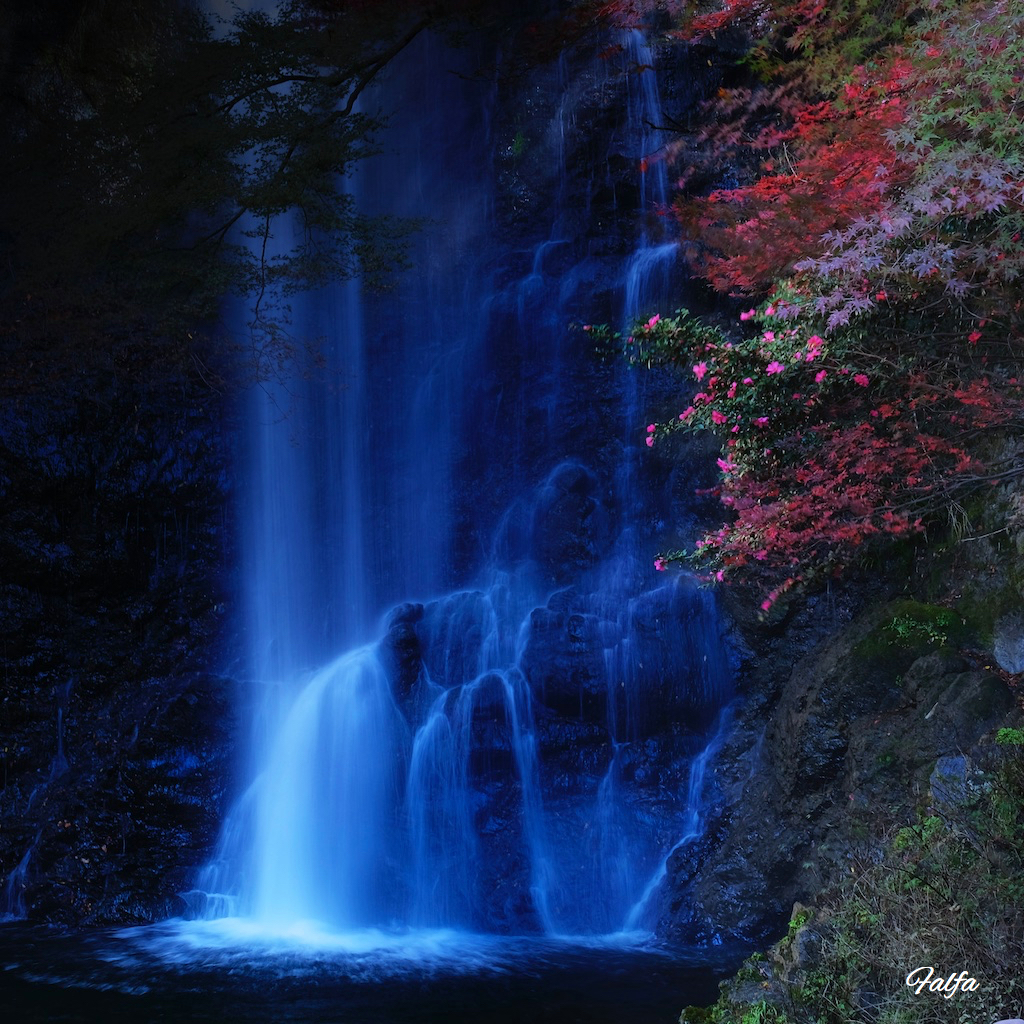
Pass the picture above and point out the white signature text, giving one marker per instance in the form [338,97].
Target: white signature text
[921,978]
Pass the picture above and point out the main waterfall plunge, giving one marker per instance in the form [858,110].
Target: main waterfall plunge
[514,736]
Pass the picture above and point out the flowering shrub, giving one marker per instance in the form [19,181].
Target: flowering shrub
[821,457]
[881,245]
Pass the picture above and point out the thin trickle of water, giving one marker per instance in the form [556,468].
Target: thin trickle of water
[692,825]
[59,765]
[648,278]
[444,846]
[14,908]
[524,739]
[646,119]
[648,272]
[12,905]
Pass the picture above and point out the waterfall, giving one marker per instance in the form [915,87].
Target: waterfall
[514,735]
[12,903]
[14,889]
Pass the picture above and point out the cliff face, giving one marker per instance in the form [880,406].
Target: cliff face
[116,731]
[872,794]
[863,707]
[849,698]
[114,728]
[119,732]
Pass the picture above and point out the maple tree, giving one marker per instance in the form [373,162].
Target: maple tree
[878,230]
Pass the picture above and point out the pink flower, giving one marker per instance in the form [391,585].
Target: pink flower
[770,311]
[725,466]
[765,605]
[736,429]
[881,296]
[769,335]
[659,564]
[586,327]
[761,421]
[699,370]
[749,315]
[748,380]
[814,342]
[687,413]
[974,337]
[861,379]
[820,376]
[798,356]
[731,393]
[717,417]
[774,367]
[720,575]
[654,319]
[651,428]
[650,440]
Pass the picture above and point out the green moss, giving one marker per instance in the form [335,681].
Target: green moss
[1010,737]
[798,921]
[914,629]
[747,973]
[697,1015]
[982,608]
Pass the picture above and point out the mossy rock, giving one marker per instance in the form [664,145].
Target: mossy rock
[982,608]
[913,629]
[697,1015]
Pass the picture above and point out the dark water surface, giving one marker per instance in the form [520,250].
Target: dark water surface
[175,972]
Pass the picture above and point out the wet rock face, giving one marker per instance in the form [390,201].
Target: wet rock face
[573,529]
[114,829]
[115,733]
[853,733]
[600,681]
[400,648]
[1008,642]
[563,661]
[575,662]
[567,741]
[114,782]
